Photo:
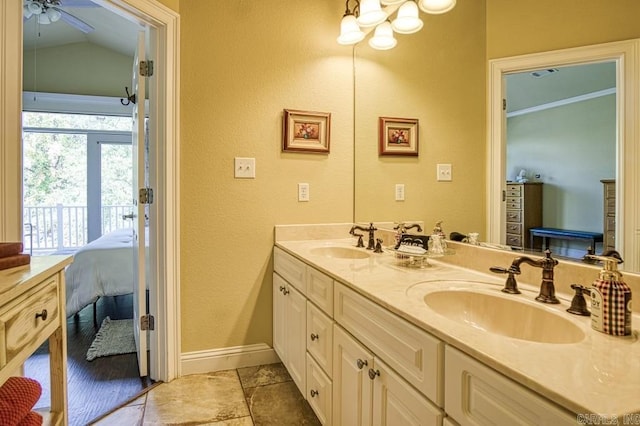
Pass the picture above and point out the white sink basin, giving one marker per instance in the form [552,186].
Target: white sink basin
[504,316]
[340,252]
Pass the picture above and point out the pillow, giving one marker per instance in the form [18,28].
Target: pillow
[18,395]
[31,419]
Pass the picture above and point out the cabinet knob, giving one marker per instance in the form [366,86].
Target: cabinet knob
[281,288]
[285,291]
[314,336]
[314,393]
[373,373]
[42,315]
[360,363]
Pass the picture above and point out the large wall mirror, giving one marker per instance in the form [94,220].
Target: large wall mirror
[462,123]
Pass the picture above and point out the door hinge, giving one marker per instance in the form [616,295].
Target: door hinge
[146,68]
[146,195]
[504,104]
[147,322]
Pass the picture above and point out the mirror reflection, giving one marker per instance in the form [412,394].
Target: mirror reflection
[562,138]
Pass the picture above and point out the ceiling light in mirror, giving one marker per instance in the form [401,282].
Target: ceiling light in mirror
[383,38]
[407,20]
[371,13]
[436,7]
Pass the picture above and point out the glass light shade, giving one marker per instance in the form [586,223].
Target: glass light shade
[436,7]
[383,38]
[350,32]
[43,19]
[390,2]
[371,13]
[35,8]
[407,20]
[27,12]
[53,15]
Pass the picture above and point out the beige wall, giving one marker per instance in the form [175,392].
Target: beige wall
[242,64]
[79,69]
[517,27]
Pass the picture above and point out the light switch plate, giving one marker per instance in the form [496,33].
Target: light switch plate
[244,168]
[444,172]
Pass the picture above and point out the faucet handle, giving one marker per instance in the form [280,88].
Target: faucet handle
[511,285]
[578,303]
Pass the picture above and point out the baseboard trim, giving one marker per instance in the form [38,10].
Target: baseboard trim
[199,362]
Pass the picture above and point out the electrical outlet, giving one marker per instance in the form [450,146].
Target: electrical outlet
[399,191]
[444,172]
[244,168]
[303,192]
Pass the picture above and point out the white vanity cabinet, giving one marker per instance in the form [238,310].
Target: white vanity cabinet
[303,329]
[477,395]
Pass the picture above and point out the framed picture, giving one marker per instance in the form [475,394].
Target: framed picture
[306,131]
[398,136]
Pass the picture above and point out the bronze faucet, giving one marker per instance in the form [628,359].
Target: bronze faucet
[402,227]
[547,263]
[371,230]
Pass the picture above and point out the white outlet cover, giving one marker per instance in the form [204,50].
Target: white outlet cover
[444,172]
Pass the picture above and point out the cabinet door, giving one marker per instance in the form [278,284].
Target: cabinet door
[319,391]
[279,317]
[396,402]
[352,388]
[295,340]
[320,338]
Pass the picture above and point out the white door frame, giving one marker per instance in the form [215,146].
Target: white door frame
[167,111]
[626,54]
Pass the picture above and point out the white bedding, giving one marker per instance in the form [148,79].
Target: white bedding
[104,267]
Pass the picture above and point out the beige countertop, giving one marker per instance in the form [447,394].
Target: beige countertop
[597,375]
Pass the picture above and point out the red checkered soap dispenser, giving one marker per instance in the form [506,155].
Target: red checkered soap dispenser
[610,300]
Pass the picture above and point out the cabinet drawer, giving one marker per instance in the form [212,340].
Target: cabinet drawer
[19,325]
[514,216]
[320,337]
[514,228]
[320,290]
[514,190]
[319,391]
[476,394]
[514,203]
[514,240]
[289,268]
[413,353]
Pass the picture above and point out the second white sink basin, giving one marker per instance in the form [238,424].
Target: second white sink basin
[504,316]
[340,252]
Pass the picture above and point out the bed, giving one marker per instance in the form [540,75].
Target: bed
[104,267]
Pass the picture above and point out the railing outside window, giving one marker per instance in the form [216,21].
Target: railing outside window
[57,228]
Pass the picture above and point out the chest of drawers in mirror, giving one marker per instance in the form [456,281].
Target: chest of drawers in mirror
[524,211]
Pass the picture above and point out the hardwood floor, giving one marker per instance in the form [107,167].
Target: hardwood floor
[95,387]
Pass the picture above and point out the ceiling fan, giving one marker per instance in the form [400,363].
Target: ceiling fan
[49,11]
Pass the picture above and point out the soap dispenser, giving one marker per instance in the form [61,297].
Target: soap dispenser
[610,300]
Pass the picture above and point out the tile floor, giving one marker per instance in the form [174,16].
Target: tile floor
[263,395]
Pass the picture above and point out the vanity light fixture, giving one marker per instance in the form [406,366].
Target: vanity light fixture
[360,20]
[371,13]
[383,38]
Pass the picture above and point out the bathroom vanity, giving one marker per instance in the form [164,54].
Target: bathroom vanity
[368,341]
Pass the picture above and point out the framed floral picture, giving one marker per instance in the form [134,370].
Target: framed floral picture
[306,131]
[398,136]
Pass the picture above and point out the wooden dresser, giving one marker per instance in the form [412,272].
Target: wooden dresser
[609,203]
[32,310]
[524,211]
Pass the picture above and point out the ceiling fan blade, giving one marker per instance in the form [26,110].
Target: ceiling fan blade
[78,3]
[75,21]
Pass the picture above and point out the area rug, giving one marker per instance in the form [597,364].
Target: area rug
[115,337]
